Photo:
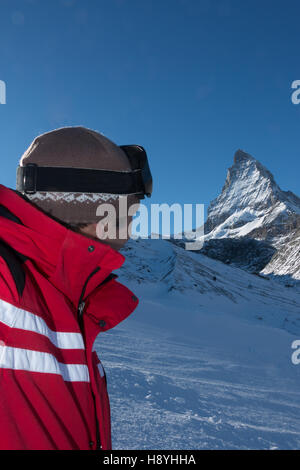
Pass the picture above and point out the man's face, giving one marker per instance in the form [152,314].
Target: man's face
[121,225]
[94,230]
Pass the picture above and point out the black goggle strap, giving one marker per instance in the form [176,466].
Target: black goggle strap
[32,178]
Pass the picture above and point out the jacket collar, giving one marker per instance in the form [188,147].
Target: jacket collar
[66,258]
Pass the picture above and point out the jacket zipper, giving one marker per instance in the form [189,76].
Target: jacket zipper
[80,310]
[81,302]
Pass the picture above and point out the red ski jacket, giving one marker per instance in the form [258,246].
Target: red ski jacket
[57,293]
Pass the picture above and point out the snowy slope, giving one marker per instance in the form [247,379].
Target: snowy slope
[205,360]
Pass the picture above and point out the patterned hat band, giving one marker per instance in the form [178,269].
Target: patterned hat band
[72,197]
[75,208]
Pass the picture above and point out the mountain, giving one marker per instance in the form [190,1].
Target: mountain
[204,362]
[253,223]
[252,204]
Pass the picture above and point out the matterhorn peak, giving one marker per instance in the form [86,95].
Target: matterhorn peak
[250,198]
[247,172]
[242,156]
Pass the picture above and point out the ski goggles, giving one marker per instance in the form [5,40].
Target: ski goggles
[32,178]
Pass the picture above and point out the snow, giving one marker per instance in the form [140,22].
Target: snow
[247,220]
[205,360]
[202,363]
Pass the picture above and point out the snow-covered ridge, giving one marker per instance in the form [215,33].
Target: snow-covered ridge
[161,267]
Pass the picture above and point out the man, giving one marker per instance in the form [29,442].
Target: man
[57,288]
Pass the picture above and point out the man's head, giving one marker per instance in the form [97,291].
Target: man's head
[81,148]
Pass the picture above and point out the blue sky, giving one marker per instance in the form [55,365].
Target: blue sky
[190,80]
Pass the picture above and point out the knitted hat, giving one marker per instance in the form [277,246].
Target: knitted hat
[76,147]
